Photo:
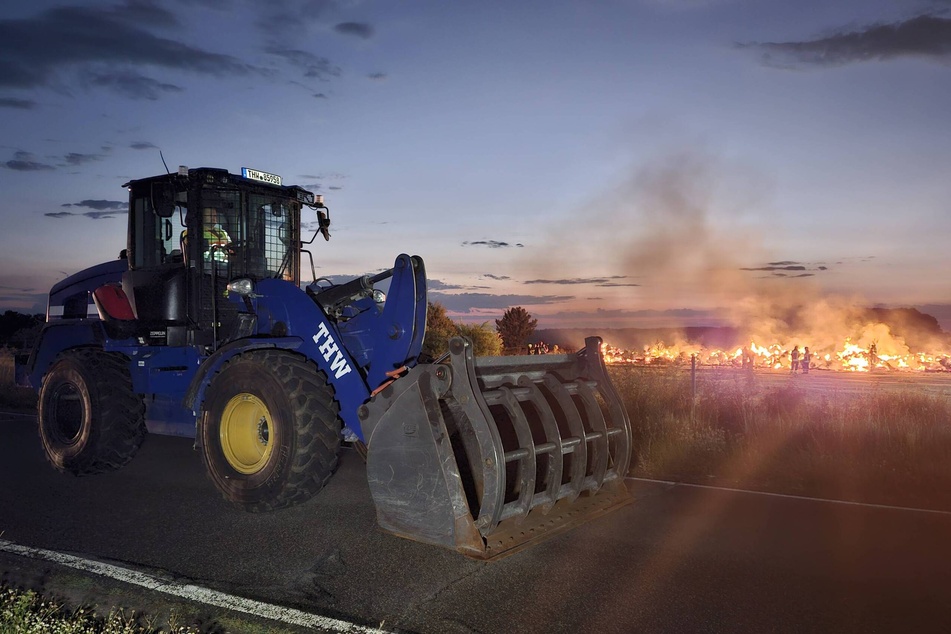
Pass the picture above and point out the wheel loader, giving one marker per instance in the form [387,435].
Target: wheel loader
[203,329]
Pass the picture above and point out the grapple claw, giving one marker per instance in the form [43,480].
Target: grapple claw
[490,455]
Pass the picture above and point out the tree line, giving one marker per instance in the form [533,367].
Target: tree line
[510,335]
[18,330]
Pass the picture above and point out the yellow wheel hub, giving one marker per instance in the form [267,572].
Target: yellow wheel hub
[246,433]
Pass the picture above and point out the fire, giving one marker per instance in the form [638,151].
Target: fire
[846,357]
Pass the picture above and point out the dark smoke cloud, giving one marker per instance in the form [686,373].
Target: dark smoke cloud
[676,226]
[669,229]
[925,36]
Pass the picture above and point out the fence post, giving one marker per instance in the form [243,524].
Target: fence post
[693,386]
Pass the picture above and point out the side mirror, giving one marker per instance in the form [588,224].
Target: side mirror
[323,222]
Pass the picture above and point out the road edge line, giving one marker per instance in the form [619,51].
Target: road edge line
[191,592]
[789,496]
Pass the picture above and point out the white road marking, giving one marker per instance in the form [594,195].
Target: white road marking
[20,414]
[191,592]
[792,497]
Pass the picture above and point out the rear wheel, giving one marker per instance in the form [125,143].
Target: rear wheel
[270,430]
[90,419]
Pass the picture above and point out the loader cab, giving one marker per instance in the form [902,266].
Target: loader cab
[193,232]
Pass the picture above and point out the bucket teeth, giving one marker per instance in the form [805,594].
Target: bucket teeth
[500,451]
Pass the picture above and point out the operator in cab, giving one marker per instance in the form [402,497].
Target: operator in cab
[215,238]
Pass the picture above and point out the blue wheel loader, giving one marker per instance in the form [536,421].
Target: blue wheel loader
[203,329]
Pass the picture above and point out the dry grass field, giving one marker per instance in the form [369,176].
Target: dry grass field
[879,438]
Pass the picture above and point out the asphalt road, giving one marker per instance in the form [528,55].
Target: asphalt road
[678,559]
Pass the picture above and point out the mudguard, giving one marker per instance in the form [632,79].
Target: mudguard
[283,308]
[54,338]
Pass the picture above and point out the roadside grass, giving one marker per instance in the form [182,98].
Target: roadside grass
[884,447]
[26,612]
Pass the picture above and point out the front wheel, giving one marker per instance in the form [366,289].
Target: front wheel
[270,430]
[90,419]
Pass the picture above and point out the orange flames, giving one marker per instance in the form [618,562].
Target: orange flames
[847,357]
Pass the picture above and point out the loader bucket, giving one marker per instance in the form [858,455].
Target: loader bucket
[490,455]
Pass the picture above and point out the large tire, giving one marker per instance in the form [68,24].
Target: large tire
[270,430]
[90,420]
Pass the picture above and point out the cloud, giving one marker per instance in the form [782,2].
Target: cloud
[377,76]
[470,302]
[925,36]
[492,244]
[132,84]
[439,285]
[785,265]
[20,104]
[95,215]
[102,42]
[644,318]
[496,277]
[102,209]
[143,145]
[75,158]
[24,162]
[597,281]
[278,15]
[100,205]
[774,268]
[314,67]
[356,29]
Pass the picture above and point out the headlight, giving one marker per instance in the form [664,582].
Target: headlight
[242,287]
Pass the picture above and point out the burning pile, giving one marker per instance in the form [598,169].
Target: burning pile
[848,356]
